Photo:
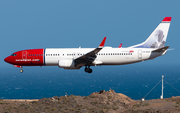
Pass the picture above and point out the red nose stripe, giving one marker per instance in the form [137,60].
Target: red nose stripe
[30,57]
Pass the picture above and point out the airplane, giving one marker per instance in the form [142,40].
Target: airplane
[75,58]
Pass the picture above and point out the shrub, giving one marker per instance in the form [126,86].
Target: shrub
[66,108]
[93,96]
[53,109]
[1,102]
[85,98]
[115,108]
[47,107]
[109,97]
[34,102]
[94,103]
[21,105]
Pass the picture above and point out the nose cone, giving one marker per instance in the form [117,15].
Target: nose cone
[7,59]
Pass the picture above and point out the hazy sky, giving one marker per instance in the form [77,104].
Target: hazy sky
[73,23]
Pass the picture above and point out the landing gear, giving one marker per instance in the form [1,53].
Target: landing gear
[88,69]
[21,70]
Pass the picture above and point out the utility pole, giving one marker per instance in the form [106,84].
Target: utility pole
[162,87]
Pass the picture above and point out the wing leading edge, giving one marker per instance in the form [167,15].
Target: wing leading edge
[89,57]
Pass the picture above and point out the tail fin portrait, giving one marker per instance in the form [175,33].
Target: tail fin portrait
[158,37]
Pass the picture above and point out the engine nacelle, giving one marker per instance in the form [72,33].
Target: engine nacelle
[66,63]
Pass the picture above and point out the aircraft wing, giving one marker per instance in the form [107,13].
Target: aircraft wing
[89,57]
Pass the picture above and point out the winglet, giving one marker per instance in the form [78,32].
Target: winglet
[120,45]
[102,43]
[167,19]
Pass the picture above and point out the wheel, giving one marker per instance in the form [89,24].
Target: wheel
[21,70]
[88,70]
[85,69]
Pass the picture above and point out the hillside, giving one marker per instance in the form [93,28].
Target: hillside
[101,102]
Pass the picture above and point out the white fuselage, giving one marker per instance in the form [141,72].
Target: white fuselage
[107,56]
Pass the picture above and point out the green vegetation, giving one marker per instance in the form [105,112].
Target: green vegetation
[53,109]
[34,102]
[85,98]
[94,103]
[93,96]
[115,108]
[109,97]
[1,102]
[21,105]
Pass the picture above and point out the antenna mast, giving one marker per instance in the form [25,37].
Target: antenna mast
[162,87]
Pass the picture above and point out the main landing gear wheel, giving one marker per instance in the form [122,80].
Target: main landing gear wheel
[88,69]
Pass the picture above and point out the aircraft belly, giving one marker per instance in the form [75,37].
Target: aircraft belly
[146,56]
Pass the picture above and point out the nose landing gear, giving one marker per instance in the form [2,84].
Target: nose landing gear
[88,69]
[21,70]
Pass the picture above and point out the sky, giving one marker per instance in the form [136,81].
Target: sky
[73,23]
[70,24]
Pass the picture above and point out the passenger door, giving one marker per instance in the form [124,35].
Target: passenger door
[139,54]
[24,55]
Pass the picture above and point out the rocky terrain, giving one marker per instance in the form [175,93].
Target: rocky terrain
[101,102]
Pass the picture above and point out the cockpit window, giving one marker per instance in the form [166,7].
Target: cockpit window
[13,54]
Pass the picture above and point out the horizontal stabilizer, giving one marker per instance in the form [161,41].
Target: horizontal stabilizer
[170,49]
[161,49]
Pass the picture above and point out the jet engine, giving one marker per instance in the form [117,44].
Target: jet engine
[67,63]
